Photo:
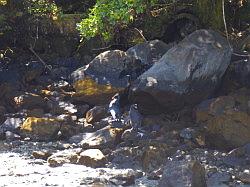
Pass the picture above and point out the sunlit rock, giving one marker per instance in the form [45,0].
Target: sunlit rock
[98,81]
[188,73]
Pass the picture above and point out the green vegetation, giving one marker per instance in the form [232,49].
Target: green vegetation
[125,22]
[107,16]
[42,8]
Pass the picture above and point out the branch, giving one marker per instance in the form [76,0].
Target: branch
[39,58]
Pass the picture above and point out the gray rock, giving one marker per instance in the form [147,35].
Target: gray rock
[183,173]
[11,124]
[187,74]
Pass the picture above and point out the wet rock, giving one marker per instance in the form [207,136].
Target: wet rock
[149,52]
[29,101]
[96,114]
[183,173]
[92,158]
[105,137]
[40,128]
[62,157]
[44,154]
[100,79]
[187,74]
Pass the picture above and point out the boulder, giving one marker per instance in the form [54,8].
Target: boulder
[46,129]
[149,52]
[92,158]
[98,81]
[96,114]
[226,119]
[187,74]
[105,137]
[40,128]
[183,173]
[229,130]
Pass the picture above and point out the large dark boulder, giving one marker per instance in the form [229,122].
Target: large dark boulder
[187,74]
[98,81]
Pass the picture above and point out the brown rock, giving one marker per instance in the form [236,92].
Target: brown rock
[229,130]
[213,107]
[41,154]
[62,157]
[92,158]
[226,119]
[40,128]
[96,114]
[105,137]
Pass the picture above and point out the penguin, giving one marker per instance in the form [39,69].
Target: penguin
[135,117]
[114,107]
